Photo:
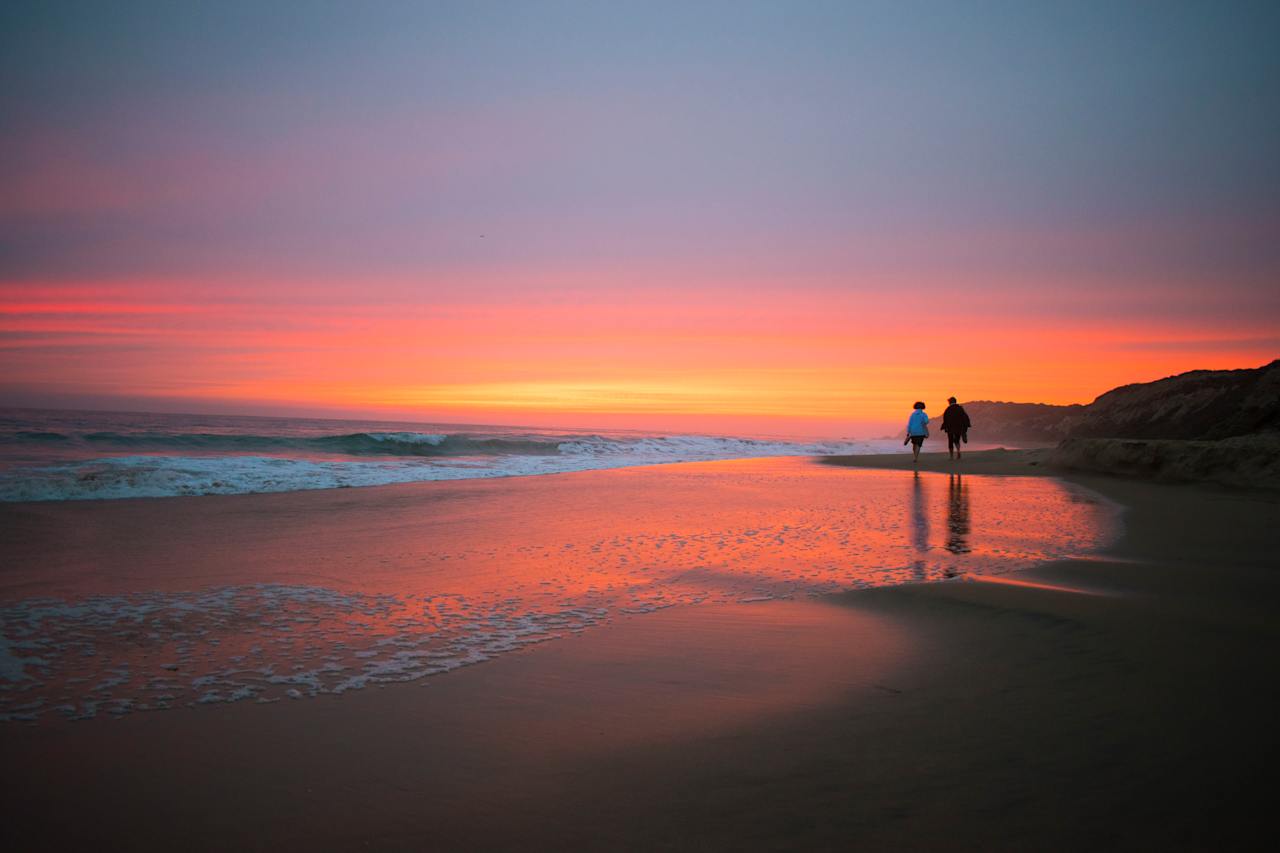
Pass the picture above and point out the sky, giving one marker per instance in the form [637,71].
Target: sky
[793,218]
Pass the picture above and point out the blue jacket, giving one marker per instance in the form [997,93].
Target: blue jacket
[917,422]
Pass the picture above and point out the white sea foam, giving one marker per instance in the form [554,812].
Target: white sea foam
[141,476]
[433,439]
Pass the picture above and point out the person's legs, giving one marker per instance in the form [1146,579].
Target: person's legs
[916,441]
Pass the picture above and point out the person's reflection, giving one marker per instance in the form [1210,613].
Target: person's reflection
[919,526]
[957,515]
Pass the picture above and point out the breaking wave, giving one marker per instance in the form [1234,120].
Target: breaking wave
[352,444]
[170,464]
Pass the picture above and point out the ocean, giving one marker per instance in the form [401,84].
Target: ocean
[79,455]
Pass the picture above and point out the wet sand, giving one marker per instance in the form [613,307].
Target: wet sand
[999,461]
[1117,702]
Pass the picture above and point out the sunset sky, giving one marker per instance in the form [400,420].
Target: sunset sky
[717,216]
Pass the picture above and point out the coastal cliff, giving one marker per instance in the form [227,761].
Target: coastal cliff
[1201,405]
[1219,426]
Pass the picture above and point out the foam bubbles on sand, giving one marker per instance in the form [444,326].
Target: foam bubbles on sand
[262,642]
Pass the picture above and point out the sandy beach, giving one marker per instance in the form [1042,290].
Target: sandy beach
[1115,701]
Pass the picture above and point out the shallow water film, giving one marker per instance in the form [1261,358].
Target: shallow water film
[152,604]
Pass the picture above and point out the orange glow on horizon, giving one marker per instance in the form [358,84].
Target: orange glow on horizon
[809,360]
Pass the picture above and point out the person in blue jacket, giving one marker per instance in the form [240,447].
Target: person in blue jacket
[917,429]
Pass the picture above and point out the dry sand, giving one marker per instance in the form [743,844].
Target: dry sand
[1121,702]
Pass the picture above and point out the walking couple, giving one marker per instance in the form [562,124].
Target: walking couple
[955,423]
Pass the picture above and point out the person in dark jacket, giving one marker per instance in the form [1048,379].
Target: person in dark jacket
[955,423]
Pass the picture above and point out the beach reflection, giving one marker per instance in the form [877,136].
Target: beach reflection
[919,527]
[957,515]
[268,596]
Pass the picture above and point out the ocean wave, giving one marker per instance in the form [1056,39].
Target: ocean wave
[349,444]
[682,447]
[39,437]
[168,475]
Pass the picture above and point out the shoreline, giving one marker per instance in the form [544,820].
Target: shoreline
[1003,462]
[1110,702]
